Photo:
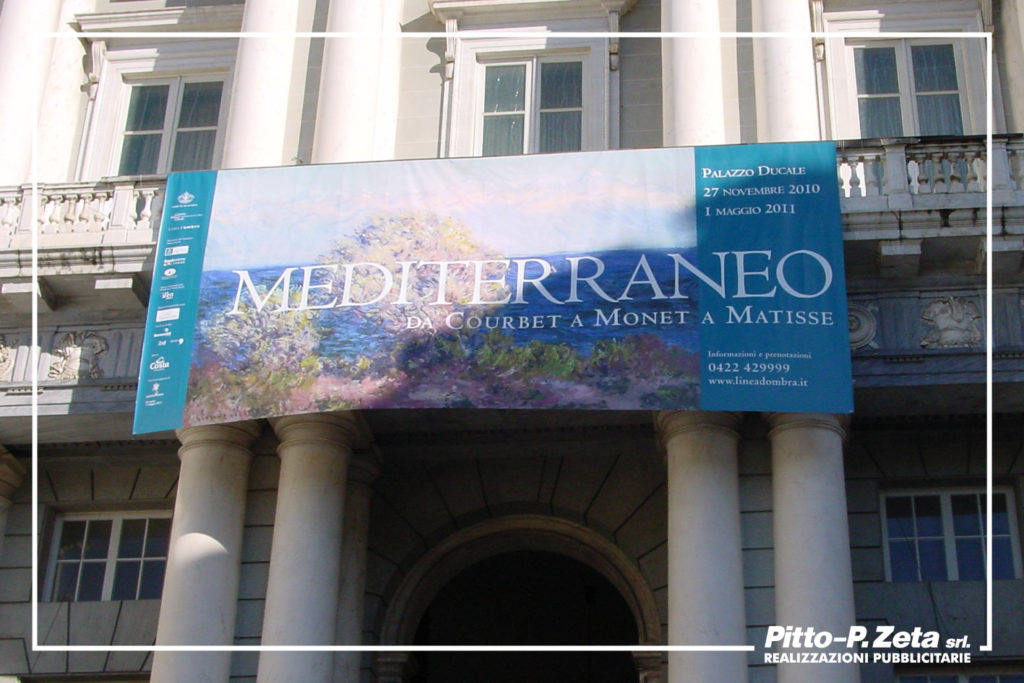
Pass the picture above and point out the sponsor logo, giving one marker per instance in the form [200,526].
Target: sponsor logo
[159,364]
[165,314]
[186,197]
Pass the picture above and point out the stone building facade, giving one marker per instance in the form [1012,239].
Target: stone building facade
[459,526]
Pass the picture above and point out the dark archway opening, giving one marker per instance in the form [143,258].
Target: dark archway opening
[527,598]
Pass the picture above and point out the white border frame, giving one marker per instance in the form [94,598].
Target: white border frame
[987,647]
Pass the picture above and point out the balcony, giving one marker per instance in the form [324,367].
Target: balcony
[911,208]
[95,242]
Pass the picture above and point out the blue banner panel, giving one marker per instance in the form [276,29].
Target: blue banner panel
[679,278]
[773,308]
[173,299]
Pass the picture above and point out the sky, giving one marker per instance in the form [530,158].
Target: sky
[526,205]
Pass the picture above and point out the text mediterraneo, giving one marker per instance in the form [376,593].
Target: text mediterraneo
[746,279]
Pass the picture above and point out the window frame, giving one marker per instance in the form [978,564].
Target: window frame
[906,91]
[124,64]
[949,536]
[474,55]
[172,118]
[532,97]
[848,30]
[117,519]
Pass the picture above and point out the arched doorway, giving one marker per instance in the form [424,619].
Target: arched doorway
[528,539]
[527,598]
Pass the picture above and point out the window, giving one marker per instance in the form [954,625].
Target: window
[939,536]
[880,82]
[171,127]
[534,105]
[905,88]
[522,96]
[105,557]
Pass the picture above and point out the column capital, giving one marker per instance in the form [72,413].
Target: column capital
[12,473]
[780,422]
[316,428]
[228,435]
[671,423]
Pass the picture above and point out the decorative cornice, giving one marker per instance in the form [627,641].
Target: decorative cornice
[205,18]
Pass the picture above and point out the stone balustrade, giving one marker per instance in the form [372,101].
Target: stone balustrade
[872,175]
[906,173]
[81,214]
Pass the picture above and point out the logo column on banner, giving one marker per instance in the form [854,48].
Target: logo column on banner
[173,301]
[773,311]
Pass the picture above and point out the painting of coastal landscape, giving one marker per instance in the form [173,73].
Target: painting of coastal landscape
[545,281]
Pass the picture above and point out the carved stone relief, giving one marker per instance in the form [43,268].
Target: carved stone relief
[951,322]
[76,355]
[7,354]
[863,326]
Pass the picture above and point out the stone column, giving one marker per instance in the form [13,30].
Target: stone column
[693,111]
[784,77]
[355,535]
[12,473]
[302,589]
[813,578]
[705,563]
[22,43]
[201,585]
[261,89]
[359,80]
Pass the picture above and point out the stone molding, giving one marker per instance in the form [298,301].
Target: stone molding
[671,423]
[780,422]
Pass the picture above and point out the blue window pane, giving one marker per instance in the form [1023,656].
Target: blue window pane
[505,88]
[560,131]
[158,537]
[903,561]
[200,104]
[880,117]
[132,533]
[939,115]
[139,154]
[64,586]
[1000,519]
[90,586]
[503,135]
[126,579]
[193,150]
[147,107]
[1002,558]
[561,85]
[933,560]
[928,512]
[97,540]
[72,537]
[152,580]
[876,70]
[982,679]
[966,517]
[934,67]
[969,559]
[899,517]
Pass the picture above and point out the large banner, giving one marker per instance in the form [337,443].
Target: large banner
[683,278]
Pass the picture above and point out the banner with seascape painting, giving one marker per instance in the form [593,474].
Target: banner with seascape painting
[680,278]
